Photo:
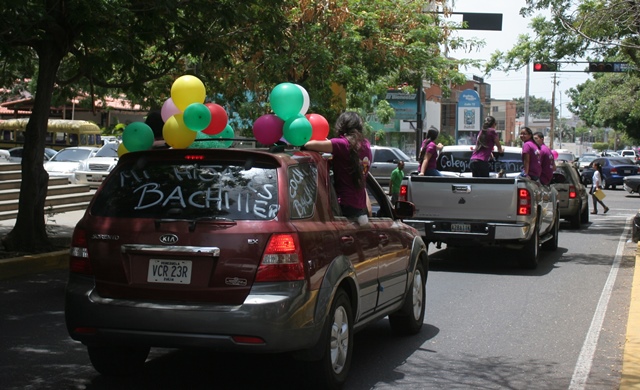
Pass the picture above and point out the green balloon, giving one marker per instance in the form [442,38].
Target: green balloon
[286,100]
[297,130]
[205,141]
[196,116]
[137,136]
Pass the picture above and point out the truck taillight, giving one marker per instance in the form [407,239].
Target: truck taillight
[403,193]
[79,262]
[572,192]
[524,202]
[282,260]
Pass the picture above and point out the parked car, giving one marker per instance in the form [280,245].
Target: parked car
[573,199]
[68,160]
[632,154]
[585,160]
[239,250]
[614,169]
[631,184]
[385,160]
[565,155]
[16,154]
[93,170]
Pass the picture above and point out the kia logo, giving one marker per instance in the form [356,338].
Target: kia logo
[168,239]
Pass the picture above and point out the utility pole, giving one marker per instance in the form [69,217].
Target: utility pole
[553,112]
[526,100]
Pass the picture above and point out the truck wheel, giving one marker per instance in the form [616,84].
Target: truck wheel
[117,360]
[552,244]
[576,219]
[529,253]
[408,320]
[584,218]
[330,372]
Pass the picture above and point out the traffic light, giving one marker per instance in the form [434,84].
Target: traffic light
[545,66]
[601,67]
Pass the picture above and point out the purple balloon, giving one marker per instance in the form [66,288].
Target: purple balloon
[168,110]
[268,129]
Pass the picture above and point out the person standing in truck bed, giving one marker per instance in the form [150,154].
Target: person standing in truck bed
[483,152]
[546,159]
[532,168]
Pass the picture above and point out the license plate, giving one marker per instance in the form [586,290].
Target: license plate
[627,171]
[97,178]
[169,271]
[460,227]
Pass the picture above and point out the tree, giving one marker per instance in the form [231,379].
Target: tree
[538,107]
[107,44]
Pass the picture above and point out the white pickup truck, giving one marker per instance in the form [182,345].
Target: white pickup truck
[502,210]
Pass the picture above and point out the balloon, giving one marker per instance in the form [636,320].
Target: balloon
[137,136]
[168,109]
[297,130]
[305,100]
[268,129]
[555,154]
[226,133]
[219,119]
[212,141]
[176,134]
[319,126]
[196,116]
[121,150]
[286,100]
[186,90]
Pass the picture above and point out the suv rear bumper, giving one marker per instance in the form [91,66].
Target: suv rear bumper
[481,232]
[284,320]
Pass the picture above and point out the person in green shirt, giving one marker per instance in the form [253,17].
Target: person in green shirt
[396,180]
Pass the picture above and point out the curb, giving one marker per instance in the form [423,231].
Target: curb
[631,358]
[29,264]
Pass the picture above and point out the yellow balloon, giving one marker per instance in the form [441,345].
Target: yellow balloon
[187,90]
[176,134]
[121,149]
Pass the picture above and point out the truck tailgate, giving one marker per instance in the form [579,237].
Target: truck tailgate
[469,199]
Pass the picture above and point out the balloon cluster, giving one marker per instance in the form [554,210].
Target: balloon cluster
[186,117]
[290,122]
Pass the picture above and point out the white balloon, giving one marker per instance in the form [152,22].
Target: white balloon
[306,101]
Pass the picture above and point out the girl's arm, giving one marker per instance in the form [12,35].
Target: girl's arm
[324,146]
[423,167]
[525,160]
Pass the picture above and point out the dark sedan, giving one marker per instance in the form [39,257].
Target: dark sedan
[614,170]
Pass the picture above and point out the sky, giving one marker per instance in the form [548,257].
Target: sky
[512,84]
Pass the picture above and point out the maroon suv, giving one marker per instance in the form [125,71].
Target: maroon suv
[240,250]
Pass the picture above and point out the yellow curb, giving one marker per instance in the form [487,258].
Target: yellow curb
[631,359]
[18,266]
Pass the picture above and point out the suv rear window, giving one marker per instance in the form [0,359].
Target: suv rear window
[175,189]
[460,161]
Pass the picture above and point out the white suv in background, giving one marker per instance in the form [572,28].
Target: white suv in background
[632,154]
[94,169]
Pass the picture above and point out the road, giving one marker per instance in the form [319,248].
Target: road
[489,325]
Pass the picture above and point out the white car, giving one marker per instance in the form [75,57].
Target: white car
[68,160]
[94,169]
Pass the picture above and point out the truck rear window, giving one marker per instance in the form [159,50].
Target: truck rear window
[175,189]
[460,162]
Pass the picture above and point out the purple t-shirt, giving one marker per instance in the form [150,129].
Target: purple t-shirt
[546,161]
[348,193]
[432,149]
[531,148]
[482,153]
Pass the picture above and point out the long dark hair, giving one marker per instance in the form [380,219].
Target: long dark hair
[489,122]
[528,131]
[349,125]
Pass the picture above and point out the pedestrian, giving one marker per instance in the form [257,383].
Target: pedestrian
[351,161]
[483,152]
[530,155]
[596,184]
[547,162]
[429,150]
[396,180]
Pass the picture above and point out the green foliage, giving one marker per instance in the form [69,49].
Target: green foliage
[538,107]
[600,146]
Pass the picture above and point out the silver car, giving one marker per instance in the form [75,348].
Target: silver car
[385,160]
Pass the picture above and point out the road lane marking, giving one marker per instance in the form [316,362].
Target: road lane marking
[585,359]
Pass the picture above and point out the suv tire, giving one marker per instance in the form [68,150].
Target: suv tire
[408,320]
[118,360]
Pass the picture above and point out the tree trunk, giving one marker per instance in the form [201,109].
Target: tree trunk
[29,233]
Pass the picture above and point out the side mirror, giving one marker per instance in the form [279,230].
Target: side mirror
[404,209]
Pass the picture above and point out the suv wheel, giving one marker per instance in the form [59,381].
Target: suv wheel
[331,371]
[530,254]
[408,320]
[118,360]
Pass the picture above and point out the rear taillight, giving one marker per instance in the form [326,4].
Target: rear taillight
[614,171]
[572,192]
[78,254]
[282,260]
[403,193]
[524,202]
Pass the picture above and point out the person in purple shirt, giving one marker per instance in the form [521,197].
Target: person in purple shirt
[487,139]
[546,159]
[351,161]
[430,151]
[530,155]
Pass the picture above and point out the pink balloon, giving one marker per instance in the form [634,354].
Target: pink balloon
[319,126]
[268,129]
[555,154]
[219,119]
[168,110]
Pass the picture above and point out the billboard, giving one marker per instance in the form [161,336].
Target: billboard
[468,117]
